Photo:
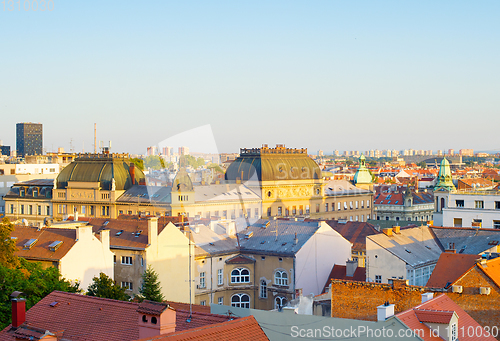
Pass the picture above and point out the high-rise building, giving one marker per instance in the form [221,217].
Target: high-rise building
[183,150]
[29,139]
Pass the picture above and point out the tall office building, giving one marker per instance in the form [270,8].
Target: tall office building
[29,139]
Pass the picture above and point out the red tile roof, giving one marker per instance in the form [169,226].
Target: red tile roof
[185,306]
[46,236]
[492,270]
[243,329]
[442,303]
[92,318]
[450,267]
[354,231]
[433,316]
[339,272]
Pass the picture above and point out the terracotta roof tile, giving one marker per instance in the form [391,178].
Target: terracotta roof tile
[450,267]
[243,329]
[441,303]
[339,272]
[84,317]
[433,316]
[44,238]
[492,270]
[354,231]
[151,307]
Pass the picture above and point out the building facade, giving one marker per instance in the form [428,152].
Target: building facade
[29,139]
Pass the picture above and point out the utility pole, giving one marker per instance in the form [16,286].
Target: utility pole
[95,138]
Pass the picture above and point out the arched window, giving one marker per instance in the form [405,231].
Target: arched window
[240,301]
[279,302]
[442,204]
[240,275]
[280,278]
[263,288]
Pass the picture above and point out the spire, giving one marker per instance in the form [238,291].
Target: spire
[445,181]
[363,175]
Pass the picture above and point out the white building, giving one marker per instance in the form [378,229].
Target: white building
[408,254]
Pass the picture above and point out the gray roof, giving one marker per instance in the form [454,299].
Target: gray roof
[415,246]
[146,194]
[277,236]
[467,241]
[278,325]
[224,192]
[343,187]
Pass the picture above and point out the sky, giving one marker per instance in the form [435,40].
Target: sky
[346,75]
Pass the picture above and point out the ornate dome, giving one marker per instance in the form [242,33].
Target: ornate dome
[273,164]
[100,169]
[363,175]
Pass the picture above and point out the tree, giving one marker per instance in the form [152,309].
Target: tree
[34,281]
[138,162]
[104,286]
[151,289]
[7,245]
[422,164]
[216,167]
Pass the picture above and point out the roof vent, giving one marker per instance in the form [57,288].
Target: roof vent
[119,232]
[30,243]
[55,245]
[54,304]
[485,290]
[138,233]
[249,234]
[457,289]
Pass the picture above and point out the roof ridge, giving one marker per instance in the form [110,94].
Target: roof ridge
[87,297]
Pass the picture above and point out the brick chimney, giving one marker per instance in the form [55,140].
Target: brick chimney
[152,230]
[131,170]
[155,318]
[18,309]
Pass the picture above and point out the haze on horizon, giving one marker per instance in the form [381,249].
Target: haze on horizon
[327,75]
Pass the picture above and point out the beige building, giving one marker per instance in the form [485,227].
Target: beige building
[29,201]
[75,251]
[267,264]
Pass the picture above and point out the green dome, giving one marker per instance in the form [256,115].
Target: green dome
[363,175]
[273,164]
[445,181]
[102,170]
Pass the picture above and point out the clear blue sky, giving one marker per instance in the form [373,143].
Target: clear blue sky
[316,74]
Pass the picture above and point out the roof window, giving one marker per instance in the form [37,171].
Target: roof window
[119,232]
[30,243]
[55,245]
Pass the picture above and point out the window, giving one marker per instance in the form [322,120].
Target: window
[350,205]
[326,207]
[269,211]
[357,203]
[202,280]
[362,204]
[279,210]
[220,300]
[105,211]
[263,289]
[22,192]
[35,192]
[30,209]
[92,213]
[317,208]
[496,224]
[48,210]
[127,260]
[240,275]
[280,278]
[345,206]
[457,222]
[204,302]
[22,209]
[127,285]
[459,203]
[367,204]
[294,210]
[307,209]
[333,206]
[454,332]
[279,302]
[114,258]
[224,214]
[301,210]
[479,204]
[378,278]
[256,213]
[39,209]
[12,208]
[339,206]
[240,301]
[219,277]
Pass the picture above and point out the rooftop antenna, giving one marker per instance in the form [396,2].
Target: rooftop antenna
[95,138]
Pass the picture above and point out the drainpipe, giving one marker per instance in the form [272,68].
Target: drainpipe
[293,294]
[254,296]
[211,280]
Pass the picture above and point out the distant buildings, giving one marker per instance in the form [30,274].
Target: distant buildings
[466,152]
[29,139]
[403,203]
[183,150]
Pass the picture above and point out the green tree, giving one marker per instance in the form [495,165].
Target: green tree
[34,281]
[151,289]
[138,162]
[104,286]
[422,164]
[216,167]
[7,245]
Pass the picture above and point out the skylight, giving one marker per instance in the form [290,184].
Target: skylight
[30,243]
[119,232]
[55,245]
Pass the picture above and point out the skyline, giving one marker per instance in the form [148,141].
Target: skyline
[346,76]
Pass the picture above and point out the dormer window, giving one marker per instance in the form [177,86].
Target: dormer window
[22,192]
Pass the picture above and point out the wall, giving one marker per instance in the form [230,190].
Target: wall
[87,258]
[169,257]
[381,262]
[315,260]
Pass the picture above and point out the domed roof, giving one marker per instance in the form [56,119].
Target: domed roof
[363,175]
[100,169]
[273,164]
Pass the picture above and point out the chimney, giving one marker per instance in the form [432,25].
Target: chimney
[18,309]
[131,169]
[350,267]
[83,232]
[385,311]
[295,240]
[387,231]
[396,229]
[427,296]
[105,239]
[155,318]
[152,230]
